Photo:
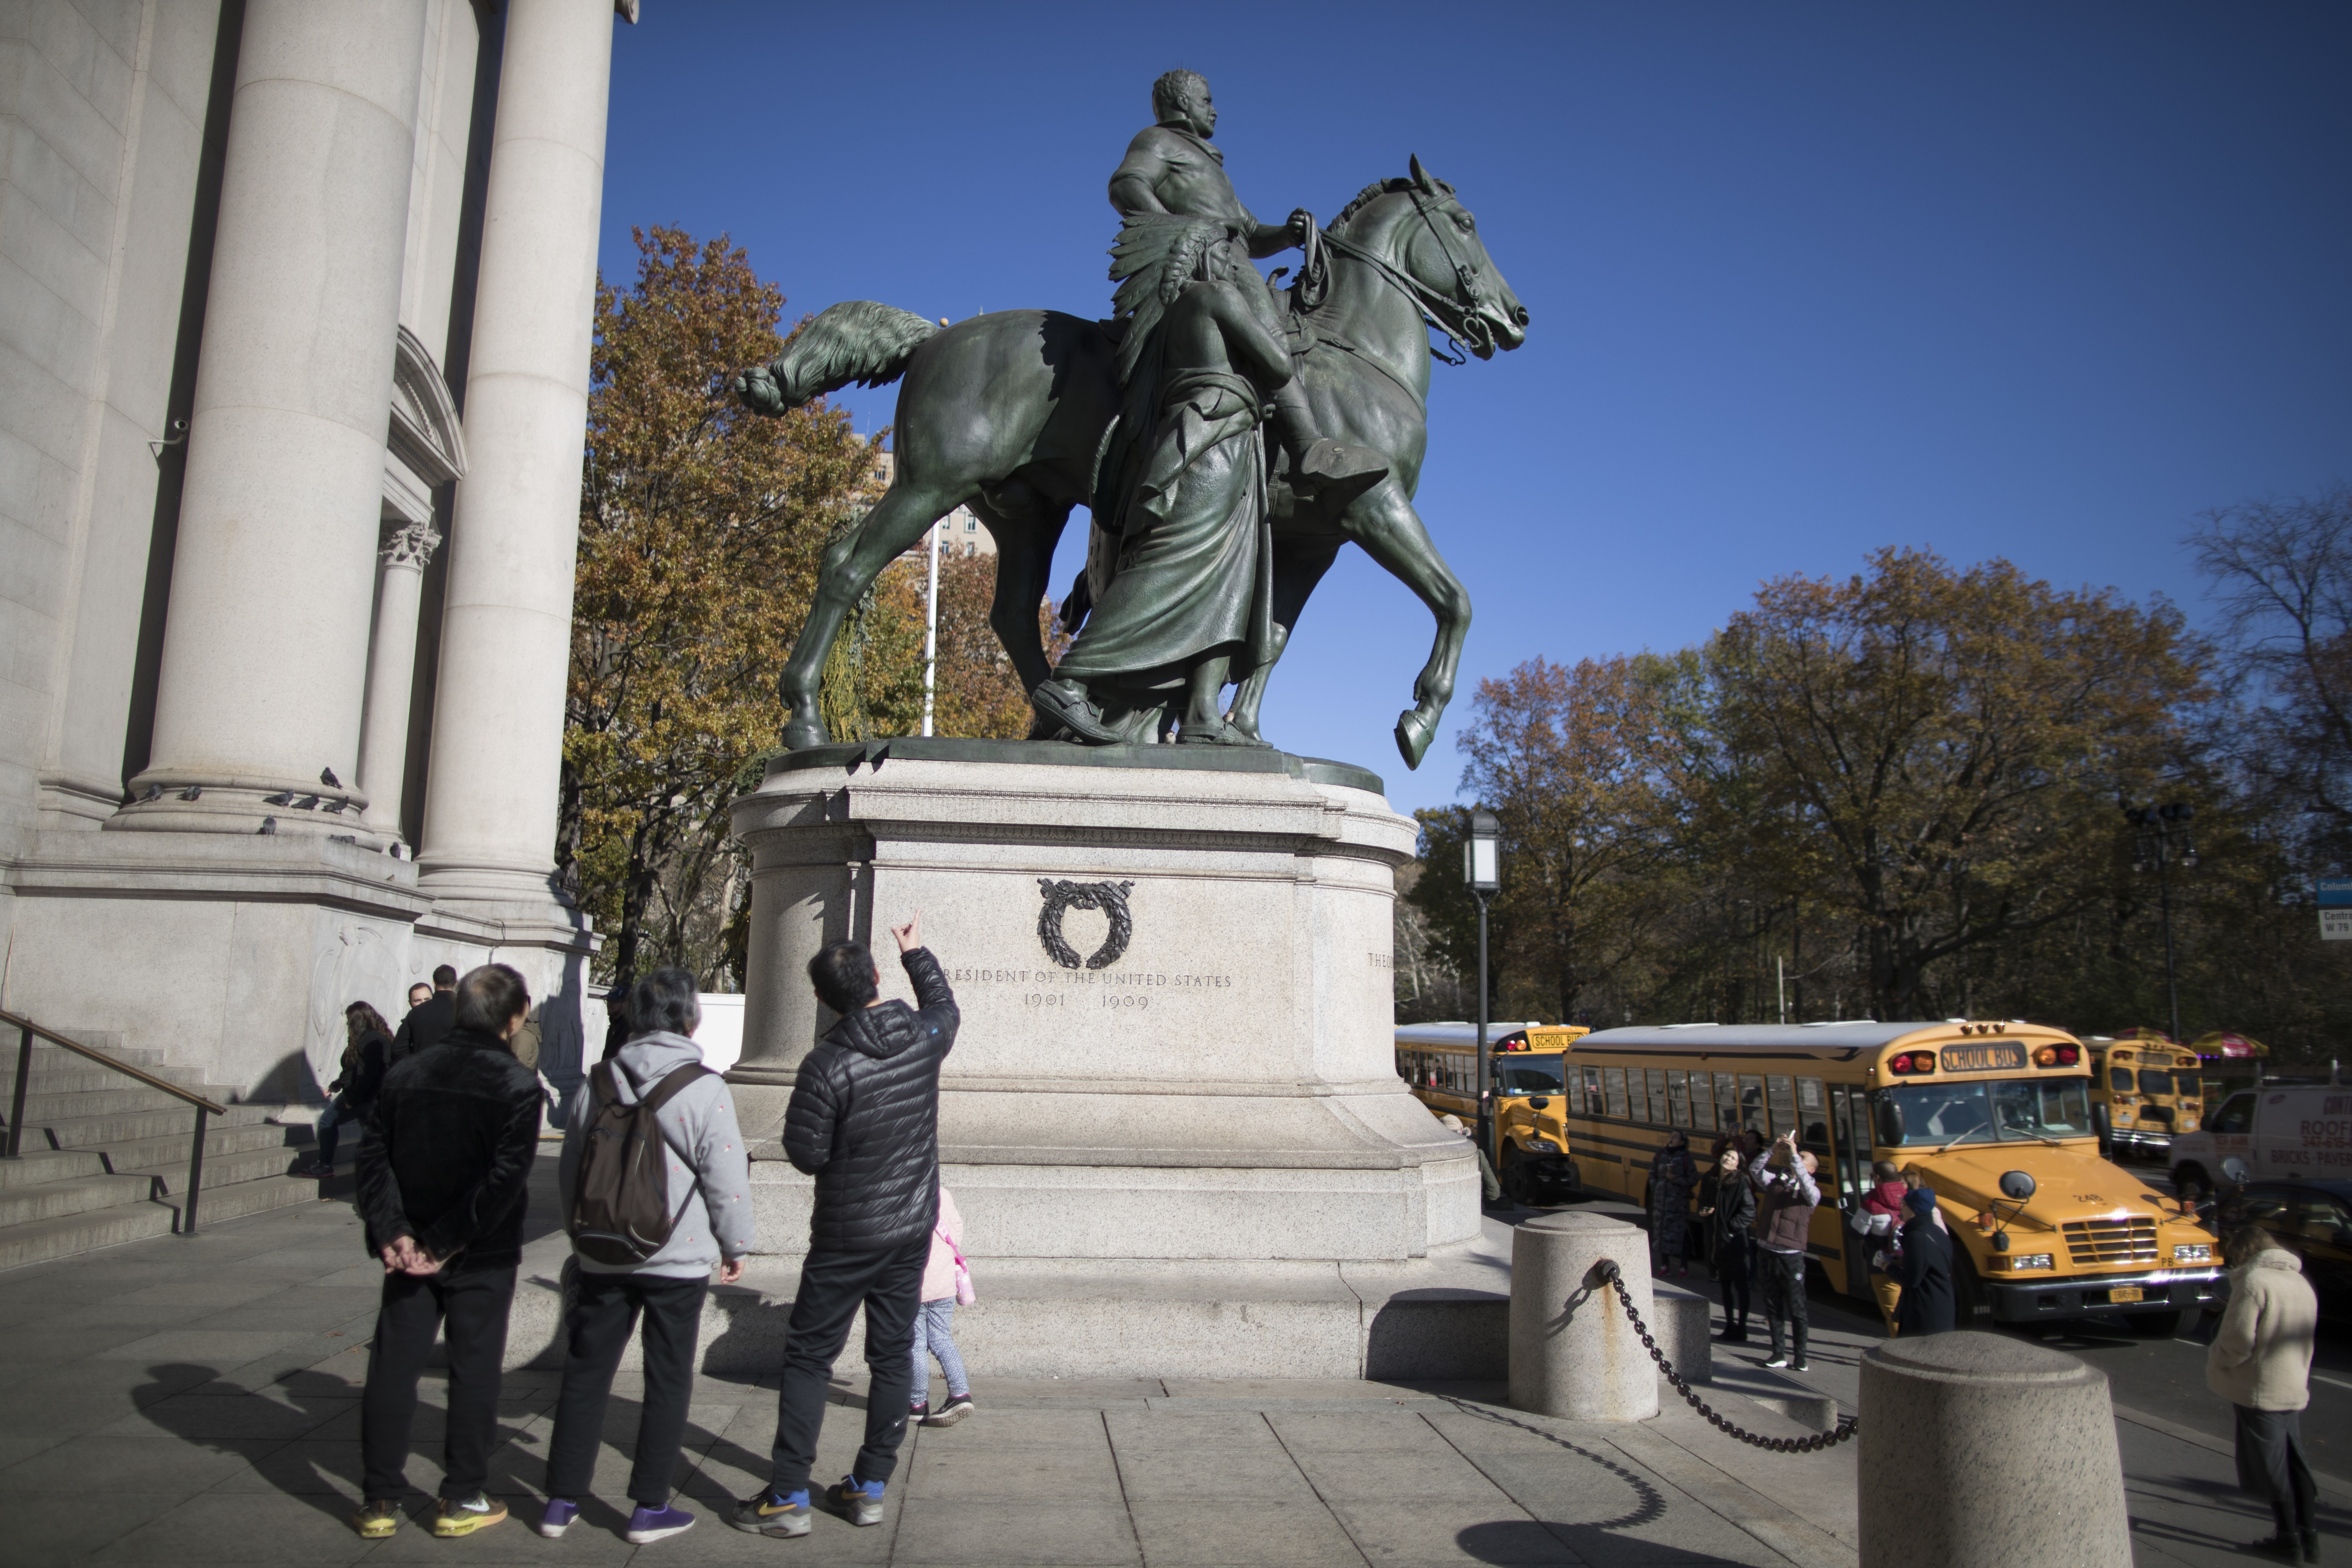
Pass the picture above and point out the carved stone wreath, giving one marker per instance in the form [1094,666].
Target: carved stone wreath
[1109,897]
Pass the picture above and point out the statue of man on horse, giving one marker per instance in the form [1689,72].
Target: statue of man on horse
[1023,415]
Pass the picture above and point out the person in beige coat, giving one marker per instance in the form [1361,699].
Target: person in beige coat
[2259,1362]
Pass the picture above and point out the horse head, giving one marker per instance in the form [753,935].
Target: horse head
[1419,228]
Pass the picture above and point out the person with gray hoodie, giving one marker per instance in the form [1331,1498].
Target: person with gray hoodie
[710,1195]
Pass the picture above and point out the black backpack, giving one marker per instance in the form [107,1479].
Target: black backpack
[620,1206]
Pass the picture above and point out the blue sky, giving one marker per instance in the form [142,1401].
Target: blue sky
[2042,282]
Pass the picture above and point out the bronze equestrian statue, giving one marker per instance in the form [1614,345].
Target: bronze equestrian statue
[1009,412]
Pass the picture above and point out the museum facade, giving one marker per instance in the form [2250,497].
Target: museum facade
[295,309]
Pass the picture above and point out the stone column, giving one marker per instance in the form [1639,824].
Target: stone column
[392,662]
[506,630]
[265,651]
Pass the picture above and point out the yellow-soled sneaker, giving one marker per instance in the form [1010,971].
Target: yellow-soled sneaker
[467,1515]
[376,1519]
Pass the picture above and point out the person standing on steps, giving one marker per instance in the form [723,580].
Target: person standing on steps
[443,1176]
[863,1120]
[1785,1200]
[352,1094]
[429,1019]
[1730,1220]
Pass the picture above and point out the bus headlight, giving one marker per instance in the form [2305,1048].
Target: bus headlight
[1542,1146]
[2193,1252]
[2018,1260]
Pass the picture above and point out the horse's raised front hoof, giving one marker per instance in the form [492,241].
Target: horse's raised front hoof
[801,734]
[1415,731]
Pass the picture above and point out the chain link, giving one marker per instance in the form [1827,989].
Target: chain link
[1846,1428]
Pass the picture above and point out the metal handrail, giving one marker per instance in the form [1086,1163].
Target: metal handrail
[26,1029]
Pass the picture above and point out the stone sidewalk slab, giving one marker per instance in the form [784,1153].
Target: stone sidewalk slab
[197,1400]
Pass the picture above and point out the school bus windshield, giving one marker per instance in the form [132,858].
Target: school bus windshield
[1982,1112]
[2152,1081]
[1530,1075]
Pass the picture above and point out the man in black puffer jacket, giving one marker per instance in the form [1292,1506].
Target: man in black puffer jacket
[863,1120]
[443,1169]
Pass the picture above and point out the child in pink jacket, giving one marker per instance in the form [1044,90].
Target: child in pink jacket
[935,1322]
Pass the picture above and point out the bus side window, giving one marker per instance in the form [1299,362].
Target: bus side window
[1659,1113]
[1678,1096]
[1814,1117]
[1702,1103]
[1613,1080]
[1751,1104]
[1727,1103]
[1593,1105]
[1572,1088]
[1780,1093]
[1851,1114]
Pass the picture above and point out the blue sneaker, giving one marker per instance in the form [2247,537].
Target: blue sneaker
[651,1524]
[561,1512]
[860,1502]
[773,1513]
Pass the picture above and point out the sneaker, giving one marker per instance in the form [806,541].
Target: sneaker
[1777,1361]
[1800,1365]
[772,1513]
[860,1502]
[467,1515]
[651,1524]
[376,1519]
[958,1406]
[561,1512]
[918,1410]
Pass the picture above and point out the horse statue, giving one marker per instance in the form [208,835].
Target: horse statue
[1006,412]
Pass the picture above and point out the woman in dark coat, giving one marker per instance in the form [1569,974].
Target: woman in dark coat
[367,1048]
[1924,1269]
[1671,1177]
[1730,1220]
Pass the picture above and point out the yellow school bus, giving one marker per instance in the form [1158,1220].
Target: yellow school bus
[2149,1088]
[1996,1115]
[1439,1062]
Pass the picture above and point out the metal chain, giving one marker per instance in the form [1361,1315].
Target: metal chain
[1846,1428]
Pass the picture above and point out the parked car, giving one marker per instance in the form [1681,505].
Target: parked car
[2314,1221]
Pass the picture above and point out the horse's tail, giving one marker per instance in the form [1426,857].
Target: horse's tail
[857,341]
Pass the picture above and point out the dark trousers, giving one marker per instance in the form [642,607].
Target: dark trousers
[833,1285]
[2271,1466]
[473,1304]
[1731,1265]
[1784,1295]
[604,1313]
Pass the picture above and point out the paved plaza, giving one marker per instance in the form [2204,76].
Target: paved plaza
[196,1400]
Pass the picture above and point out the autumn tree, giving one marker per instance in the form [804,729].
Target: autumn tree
[1938,755]
[700,530]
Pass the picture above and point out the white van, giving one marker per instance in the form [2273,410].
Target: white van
[2278,1130]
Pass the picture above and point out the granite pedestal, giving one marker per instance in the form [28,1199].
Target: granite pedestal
[1178,1035]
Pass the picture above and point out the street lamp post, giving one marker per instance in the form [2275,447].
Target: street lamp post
[2161,832]
[1482,869]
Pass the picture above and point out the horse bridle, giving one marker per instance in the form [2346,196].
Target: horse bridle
[1457,318]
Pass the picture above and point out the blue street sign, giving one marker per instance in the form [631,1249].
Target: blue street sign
[2335,892]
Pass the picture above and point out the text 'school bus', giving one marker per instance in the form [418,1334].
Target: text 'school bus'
[2278,1130]
[2148,1089]
[1996,1115]
[1439,1062]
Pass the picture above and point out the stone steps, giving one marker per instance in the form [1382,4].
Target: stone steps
[105,1157]
[72,1195]
[39,1240]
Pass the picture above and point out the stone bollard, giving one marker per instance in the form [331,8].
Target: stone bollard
[1982,1451]
[1573,1355]
[1685,1329]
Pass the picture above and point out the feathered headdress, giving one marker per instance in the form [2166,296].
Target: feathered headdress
[1154,258]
